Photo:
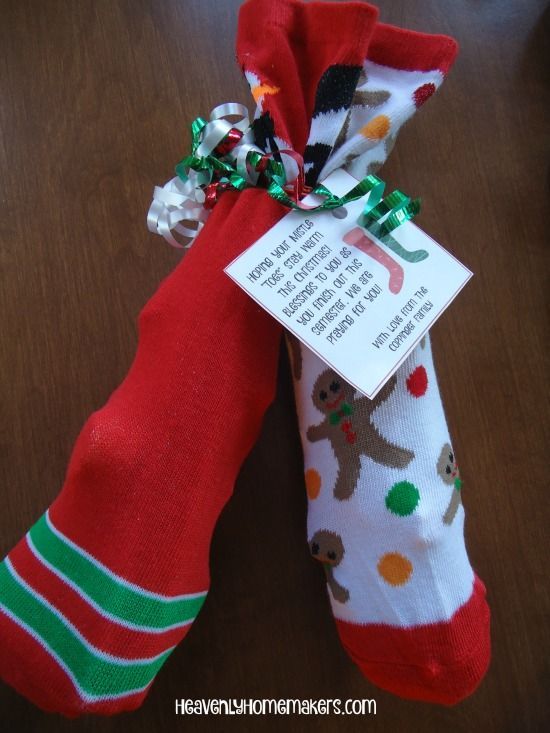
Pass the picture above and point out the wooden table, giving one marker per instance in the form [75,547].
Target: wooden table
[95,99]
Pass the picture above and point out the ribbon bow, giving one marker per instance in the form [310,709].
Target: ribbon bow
[224,156]
[337,415]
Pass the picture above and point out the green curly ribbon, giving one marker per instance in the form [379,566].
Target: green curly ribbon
[389,213]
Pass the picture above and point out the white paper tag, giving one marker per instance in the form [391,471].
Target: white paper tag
[357,304]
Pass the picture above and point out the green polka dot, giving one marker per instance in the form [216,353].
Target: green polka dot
[402,498]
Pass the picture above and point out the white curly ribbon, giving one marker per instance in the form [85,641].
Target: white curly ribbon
[178,206]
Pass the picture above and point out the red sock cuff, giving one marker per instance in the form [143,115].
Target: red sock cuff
[411,50]
[339,31]
[289,45]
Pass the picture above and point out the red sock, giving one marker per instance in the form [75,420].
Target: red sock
[100,590]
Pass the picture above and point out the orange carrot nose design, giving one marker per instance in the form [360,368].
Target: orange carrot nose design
[262,89]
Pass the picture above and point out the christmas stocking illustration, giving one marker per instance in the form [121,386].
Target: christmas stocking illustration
[97,594]
[384,510]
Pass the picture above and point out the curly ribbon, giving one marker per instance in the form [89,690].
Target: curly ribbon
[224,156]
[386,215]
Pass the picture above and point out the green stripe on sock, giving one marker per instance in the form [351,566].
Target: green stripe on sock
[113,597]
[95,676]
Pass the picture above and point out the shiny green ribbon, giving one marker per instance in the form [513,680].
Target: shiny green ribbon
[389,213]
[381,217]
[226,172]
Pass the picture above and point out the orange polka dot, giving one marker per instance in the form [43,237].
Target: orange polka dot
[394,568]
[313,483]
[377,128]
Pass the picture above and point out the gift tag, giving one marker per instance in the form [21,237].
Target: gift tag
[359,304]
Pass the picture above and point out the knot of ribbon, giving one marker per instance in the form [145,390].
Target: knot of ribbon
[224,156]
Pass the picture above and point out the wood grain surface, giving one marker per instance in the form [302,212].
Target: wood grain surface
[96,96]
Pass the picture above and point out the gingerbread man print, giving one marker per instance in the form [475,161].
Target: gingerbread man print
[349,428]
[448,471]
[328,548]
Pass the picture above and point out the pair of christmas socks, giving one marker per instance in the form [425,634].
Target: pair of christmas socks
[103,587]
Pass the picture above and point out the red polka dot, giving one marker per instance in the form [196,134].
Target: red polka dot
[423,93]
[417,382]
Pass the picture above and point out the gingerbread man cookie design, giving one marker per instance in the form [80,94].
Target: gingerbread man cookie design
[328,548]
[448,471]
[349,428]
